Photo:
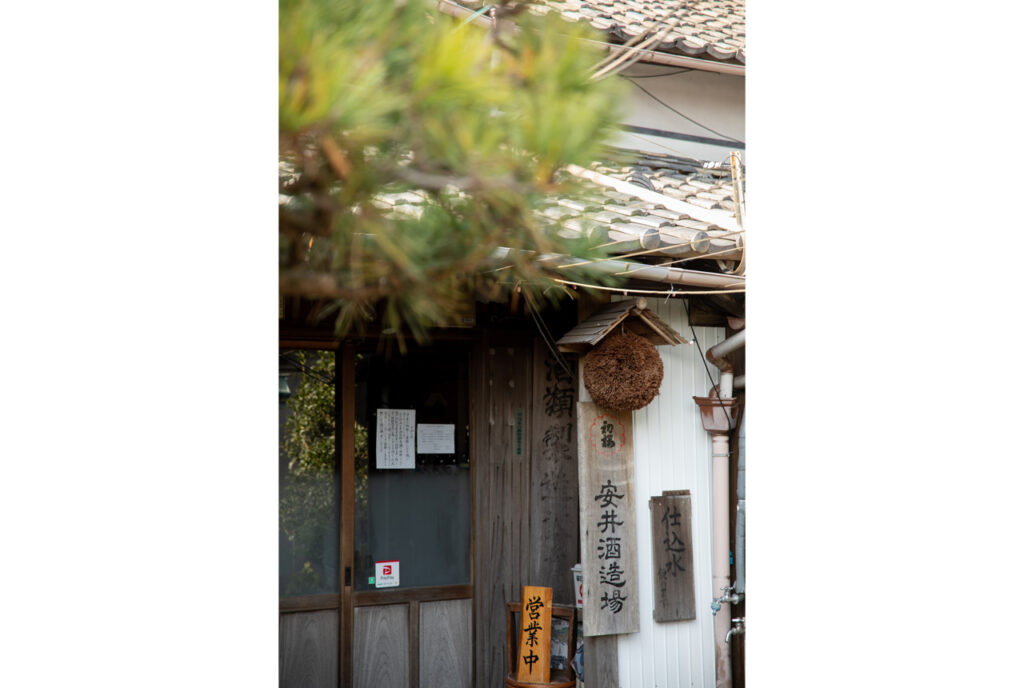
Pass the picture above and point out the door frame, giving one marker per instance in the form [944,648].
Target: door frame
[347,599]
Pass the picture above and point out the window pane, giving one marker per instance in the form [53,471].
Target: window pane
[309,485]
[417,516]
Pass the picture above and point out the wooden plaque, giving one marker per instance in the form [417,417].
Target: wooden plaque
[554,502]
[608,543]
[672,552]
[535,636]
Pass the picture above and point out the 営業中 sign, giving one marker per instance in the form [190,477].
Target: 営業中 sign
[535,638]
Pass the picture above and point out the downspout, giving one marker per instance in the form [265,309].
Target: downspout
[740,585]
[718,414]
[716,357]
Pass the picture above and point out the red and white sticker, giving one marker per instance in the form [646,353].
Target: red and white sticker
[386,574]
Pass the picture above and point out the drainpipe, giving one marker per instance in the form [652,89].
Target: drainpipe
[718,415]
[716,357]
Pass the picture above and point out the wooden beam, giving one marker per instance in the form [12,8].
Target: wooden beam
[372,598]
[414,644]
[308,603]
[347,418]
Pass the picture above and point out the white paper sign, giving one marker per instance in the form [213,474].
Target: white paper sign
[386,574]
[435,438]
[396,435]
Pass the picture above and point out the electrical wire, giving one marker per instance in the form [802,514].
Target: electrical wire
[655,76]
[703,358]
[686,117]
[647,140]
[657,292]
[548,338]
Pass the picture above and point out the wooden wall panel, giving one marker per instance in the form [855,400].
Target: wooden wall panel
[502,373]
[554,488]
[601,661]
[380,647]
[308,645]
[446,652]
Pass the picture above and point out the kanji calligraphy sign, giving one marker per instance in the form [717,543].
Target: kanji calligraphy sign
[672,553]
[535,636]
[607,521]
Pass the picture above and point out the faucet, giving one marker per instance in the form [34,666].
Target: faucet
[737,629]
[734,598]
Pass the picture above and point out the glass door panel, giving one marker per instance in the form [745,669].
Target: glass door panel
[418,516]
[309,486]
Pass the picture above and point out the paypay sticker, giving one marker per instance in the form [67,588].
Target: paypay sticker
[387,574]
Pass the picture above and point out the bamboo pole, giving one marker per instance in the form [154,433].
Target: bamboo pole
[641,271]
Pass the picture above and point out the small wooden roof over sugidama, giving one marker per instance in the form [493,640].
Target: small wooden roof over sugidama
[631,315]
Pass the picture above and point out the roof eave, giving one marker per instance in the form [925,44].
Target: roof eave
[649,56]
[670,59]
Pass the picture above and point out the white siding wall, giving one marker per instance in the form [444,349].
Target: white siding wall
[714,100]
[673,452]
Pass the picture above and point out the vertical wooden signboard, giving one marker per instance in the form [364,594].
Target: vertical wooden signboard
[607,522]
[554,503]
[535,636]
[672,551]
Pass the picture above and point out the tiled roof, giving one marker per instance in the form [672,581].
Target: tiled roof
[659,230]
[714,29]
[642,229]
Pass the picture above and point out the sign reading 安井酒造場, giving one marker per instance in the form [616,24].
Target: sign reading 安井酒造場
[607,522]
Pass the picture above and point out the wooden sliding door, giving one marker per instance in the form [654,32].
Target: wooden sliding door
[375,531]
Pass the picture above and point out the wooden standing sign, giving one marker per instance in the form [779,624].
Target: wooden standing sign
[607,521]
[535,636]
[672,551]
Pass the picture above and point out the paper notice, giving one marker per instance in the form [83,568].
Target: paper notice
[396,430]
[435,438]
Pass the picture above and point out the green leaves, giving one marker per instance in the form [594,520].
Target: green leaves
[378,99]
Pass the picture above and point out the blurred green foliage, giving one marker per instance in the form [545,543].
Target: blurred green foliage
[307,502]
[307,508]
[381,97]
